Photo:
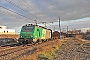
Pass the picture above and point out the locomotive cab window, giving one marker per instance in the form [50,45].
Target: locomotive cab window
[27,29]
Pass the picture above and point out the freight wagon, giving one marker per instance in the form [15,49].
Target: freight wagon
[33,33]
[55,35]
[7,42]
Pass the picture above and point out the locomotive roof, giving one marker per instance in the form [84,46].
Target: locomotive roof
[36,25]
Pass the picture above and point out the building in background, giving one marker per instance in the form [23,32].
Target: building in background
[84,30]
[4,30]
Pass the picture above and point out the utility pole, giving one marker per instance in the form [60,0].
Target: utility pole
[35,21]
[45,23]
[64,30]
[67,29]
[60,26]
[54,28]
[67,32]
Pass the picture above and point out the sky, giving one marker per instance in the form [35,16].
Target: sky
[73,13]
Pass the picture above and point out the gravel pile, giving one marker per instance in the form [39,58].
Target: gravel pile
[73,50]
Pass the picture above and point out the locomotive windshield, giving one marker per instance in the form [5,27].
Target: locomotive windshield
[27,29]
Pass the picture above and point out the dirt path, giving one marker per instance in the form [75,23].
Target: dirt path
[74,50]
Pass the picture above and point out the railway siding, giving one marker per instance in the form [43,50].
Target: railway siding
[13,53]
[19,51]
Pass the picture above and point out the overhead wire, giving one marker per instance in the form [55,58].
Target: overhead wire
[15,5]
[13,12]
[22,8]
[25,4]
[6,12]
[30,7]
[18,7]
[10,15]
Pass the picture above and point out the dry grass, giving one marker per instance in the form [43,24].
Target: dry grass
[46,52]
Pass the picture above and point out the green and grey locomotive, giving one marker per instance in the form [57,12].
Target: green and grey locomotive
[33,33]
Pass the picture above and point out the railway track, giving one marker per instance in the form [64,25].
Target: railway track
[12,53]
[21,50]
[8,50]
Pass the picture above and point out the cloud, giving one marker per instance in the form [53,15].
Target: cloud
[70,11]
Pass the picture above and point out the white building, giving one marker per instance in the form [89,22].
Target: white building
[4,30]
[85,29]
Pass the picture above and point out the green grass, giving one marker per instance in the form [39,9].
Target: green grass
[47,55]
